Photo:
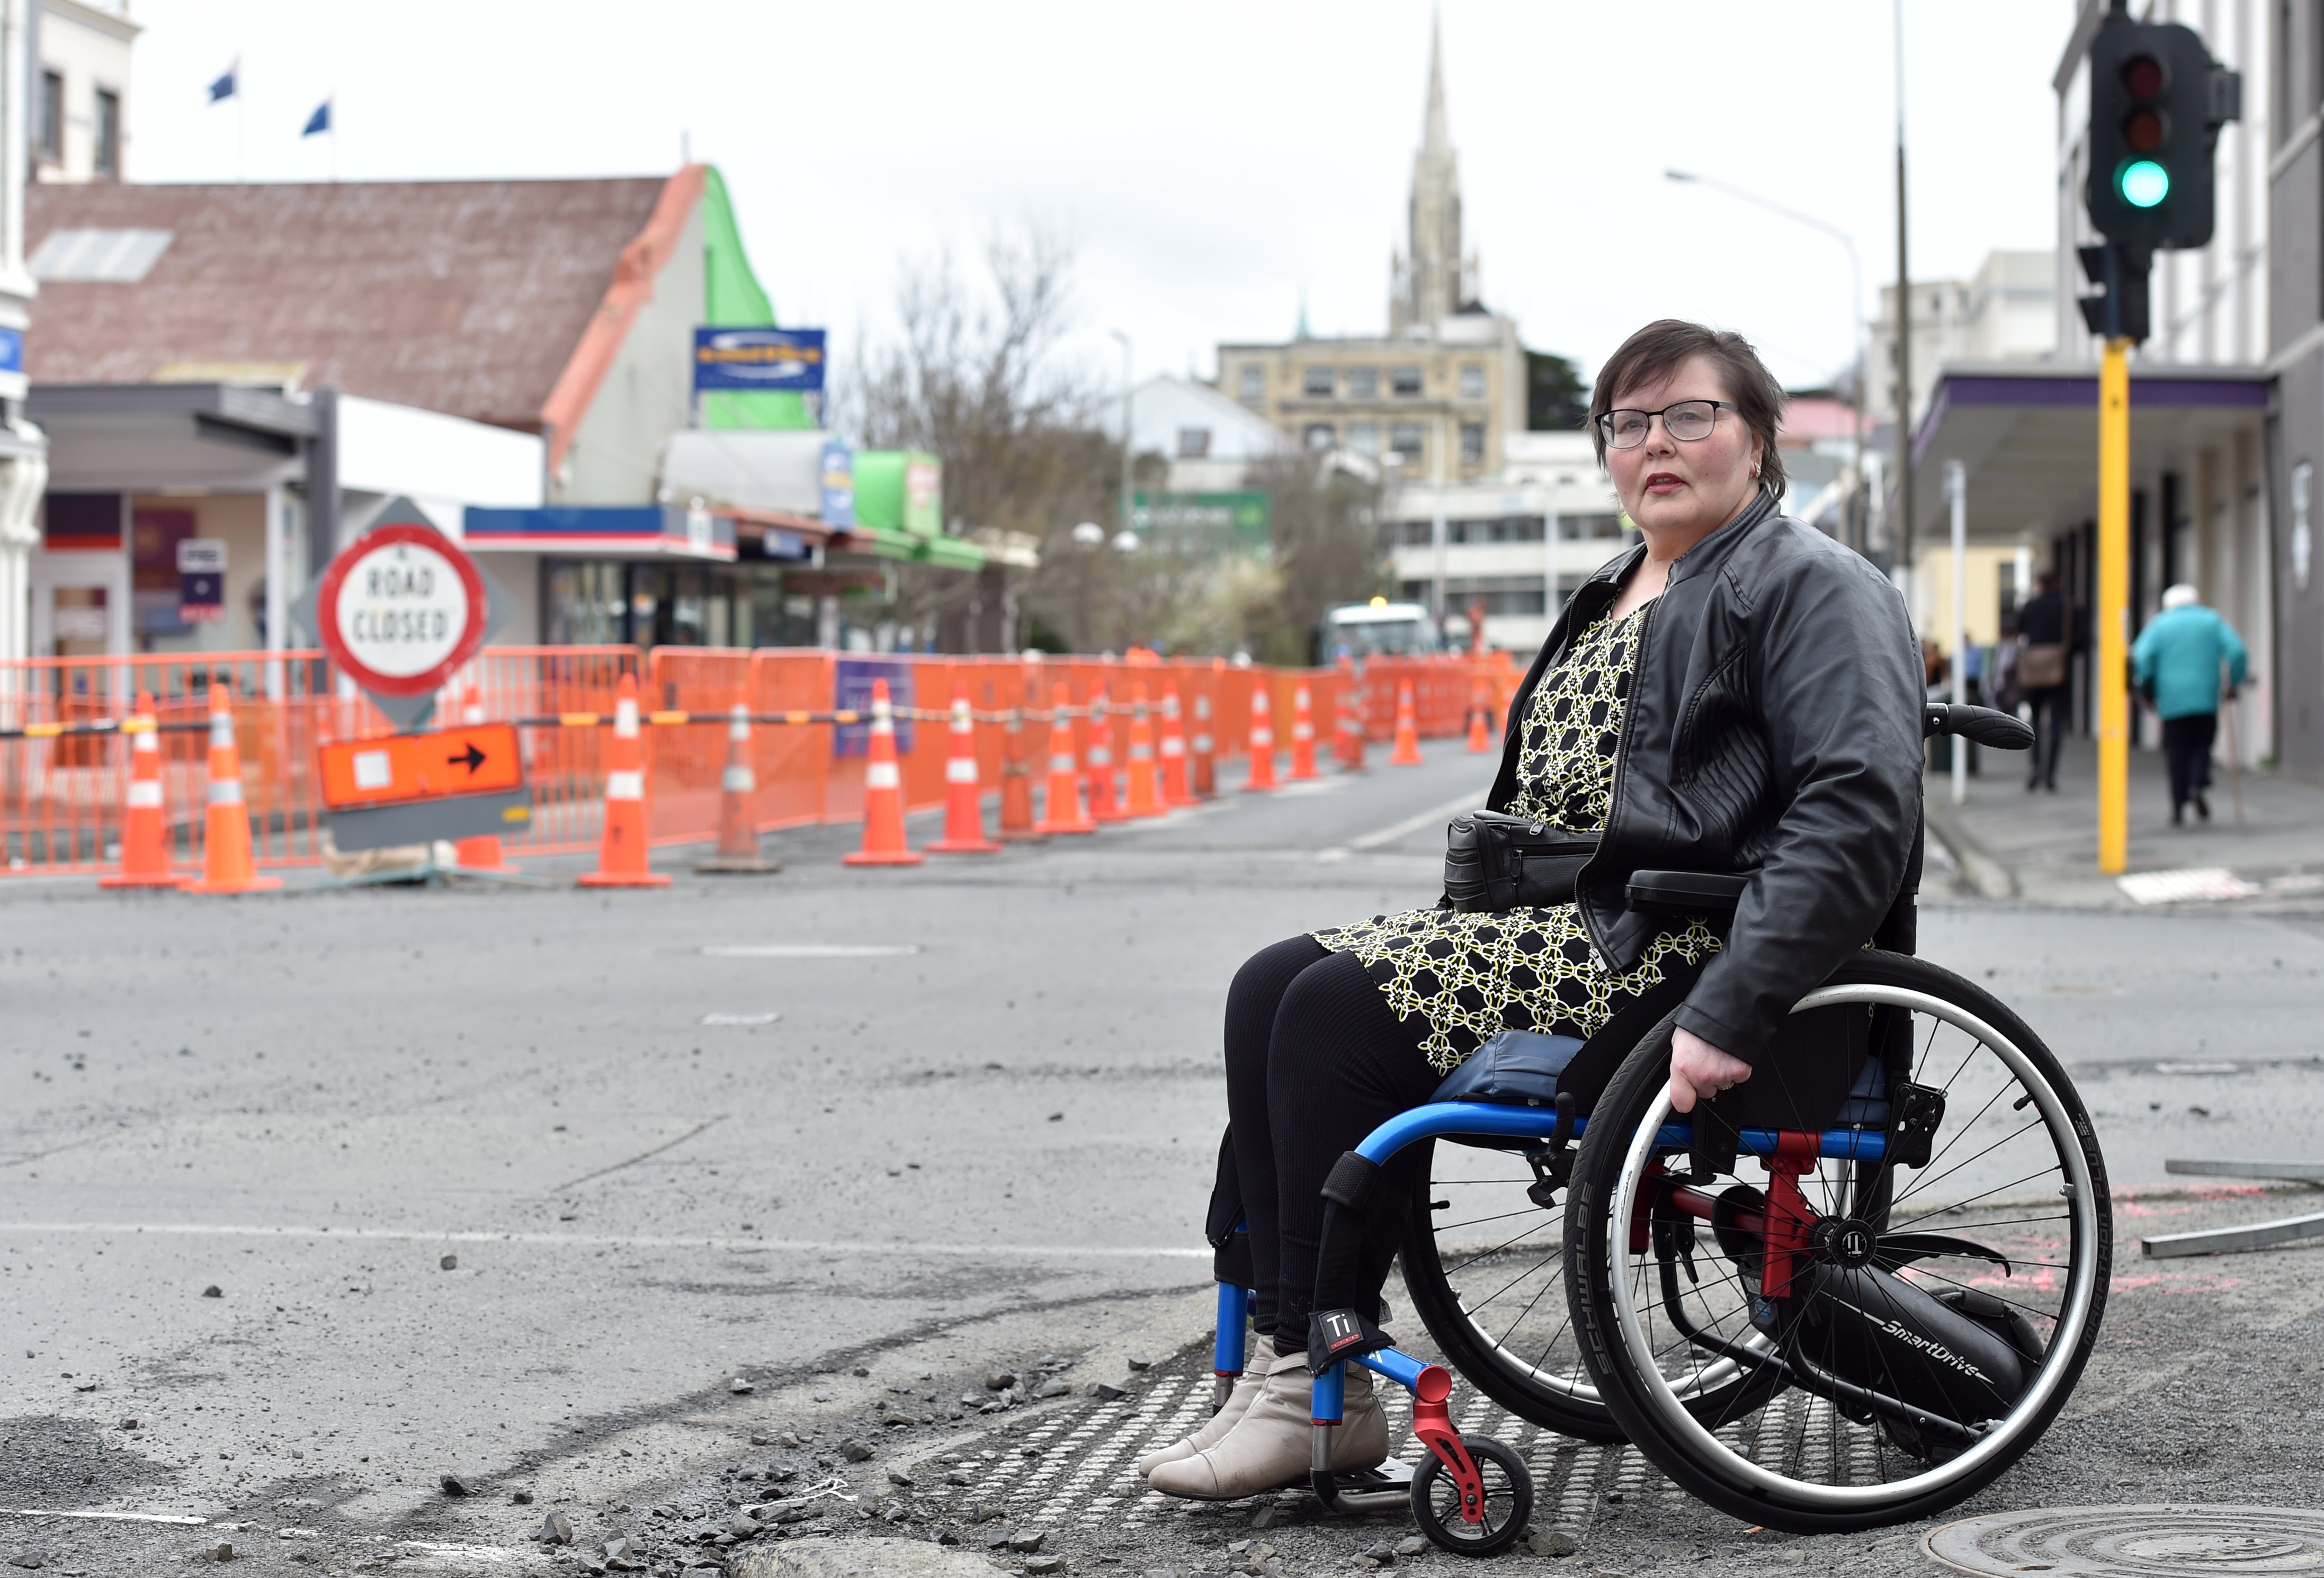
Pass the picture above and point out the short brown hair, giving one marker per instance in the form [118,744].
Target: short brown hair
[1662,348]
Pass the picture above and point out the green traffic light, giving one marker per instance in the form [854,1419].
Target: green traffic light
[2143,183]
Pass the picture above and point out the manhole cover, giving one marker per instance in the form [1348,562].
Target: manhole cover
[2132,1542]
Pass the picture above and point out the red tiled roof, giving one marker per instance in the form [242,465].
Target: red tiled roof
[464,297]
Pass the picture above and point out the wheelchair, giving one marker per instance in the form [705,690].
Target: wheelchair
[1849,1292]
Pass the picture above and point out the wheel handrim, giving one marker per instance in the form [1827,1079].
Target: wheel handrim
[2065,1337]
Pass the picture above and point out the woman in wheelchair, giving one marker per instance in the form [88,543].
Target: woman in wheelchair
[1738,695]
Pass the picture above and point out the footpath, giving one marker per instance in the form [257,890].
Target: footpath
[2043,847]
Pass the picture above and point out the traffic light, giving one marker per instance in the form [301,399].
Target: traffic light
[2157,102]
[2120,273]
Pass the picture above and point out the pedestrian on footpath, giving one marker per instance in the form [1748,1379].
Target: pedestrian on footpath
[1812,764]
[2046,631]
[2175,664]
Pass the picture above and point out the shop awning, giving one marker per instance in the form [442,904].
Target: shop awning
[606,530]
[2027,437]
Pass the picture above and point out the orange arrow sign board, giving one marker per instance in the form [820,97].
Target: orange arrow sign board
[479,759]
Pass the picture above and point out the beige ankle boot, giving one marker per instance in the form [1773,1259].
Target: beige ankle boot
[1273,1444]
[1238,1403]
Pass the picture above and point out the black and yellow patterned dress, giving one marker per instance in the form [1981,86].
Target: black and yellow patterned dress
[1470,975]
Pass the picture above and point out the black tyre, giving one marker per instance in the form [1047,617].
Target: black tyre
[1507,1509]
[1485,1269]
[2007,1224]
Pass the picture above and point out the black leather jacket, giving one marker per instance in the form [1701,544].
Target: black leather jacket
[1773,727]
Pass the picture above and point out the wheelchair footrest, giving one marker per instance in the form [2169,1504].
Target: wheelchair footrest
[1386,1488]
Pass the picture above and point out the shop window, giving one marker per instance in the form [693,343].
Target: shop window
[108,134]
[1253,384]
[1319,384]
[1363,383]
[1473,380]
[1405,381]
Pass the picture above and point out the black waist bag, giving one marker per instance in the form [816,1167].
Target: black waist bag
[1494,862]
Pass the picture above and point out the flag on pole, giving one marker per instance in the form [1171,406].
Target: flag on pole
[320,121]
[229,84]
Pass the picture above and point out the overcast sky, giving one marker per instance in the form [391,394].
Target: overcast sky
[1210,162]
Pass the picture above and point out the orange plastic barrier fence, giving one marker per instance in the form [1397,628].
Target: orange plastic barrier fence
[65,767]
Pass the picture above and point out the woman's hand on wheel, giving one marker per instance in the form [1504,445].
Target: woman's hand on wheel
[1700,1071]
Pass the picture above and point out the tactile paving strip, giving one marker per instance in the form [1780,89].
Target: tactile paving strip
[1075,1468]
[2136,1542]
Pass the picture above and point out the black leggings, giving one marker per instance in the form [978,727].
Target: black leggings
[1315,1061]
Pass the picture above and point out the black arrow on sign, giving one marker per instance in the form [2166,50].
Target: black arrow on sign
[473,757]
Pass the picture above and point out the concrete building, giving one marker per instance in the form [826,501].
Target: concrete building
[2007,311]
[78,117]
[1519,542]
[2203,487]
[2293,96]
[24,449]
[1433,396]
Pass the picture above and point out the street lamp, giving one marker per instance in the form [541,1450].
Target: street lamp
[1088,534]
[1126,431]
[1855,287]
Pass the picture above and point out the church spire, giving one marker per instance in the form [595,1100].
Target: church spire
[1436,137]
[1429,285]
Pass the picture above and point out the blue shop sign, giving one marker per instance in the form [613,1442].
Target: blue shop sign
[855,695]
[12,350]
[838,483]
[758,359]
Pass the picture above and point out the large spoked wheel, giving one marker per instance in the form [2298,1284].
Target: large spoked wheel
[1485,1266]
[1508,1501]
[1934,1320]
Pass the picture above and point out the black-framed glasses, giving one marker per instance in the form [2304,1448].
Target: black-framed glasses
[1686,422]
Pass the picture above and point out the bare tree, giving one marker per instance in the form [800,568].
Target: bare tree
[973,377]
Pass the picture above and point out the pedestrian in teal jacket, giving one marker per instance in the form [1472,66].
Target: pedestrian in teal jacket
[2175,664]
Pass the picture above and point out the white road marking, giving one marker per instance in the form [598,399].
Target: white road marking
[1396,830]
[739,1018]
[171,1517]
[809,950]
[620,1240]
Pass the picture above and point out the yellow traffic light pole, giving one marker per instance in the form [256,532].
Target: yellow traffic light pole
[2110,683]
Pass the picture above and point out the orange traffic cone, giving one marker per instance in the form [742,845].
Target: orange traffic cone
[144,831]
[737,828]
[1064,812]
[226,835]
[1102,807]
[1016,780]
[1174,751]
[1303,735]
[1407,731]
[621,848]
[883,794]
[1262,738]
[963,797]
[1206,770]
[482,854]
[1145,782]
[1481,727]
[1348,719]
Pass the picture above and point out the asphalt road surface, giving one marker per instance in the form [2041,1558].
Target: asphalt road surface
[569,1195]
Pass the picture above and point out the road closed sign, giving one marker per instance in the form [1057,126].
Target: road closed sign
[401,609]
